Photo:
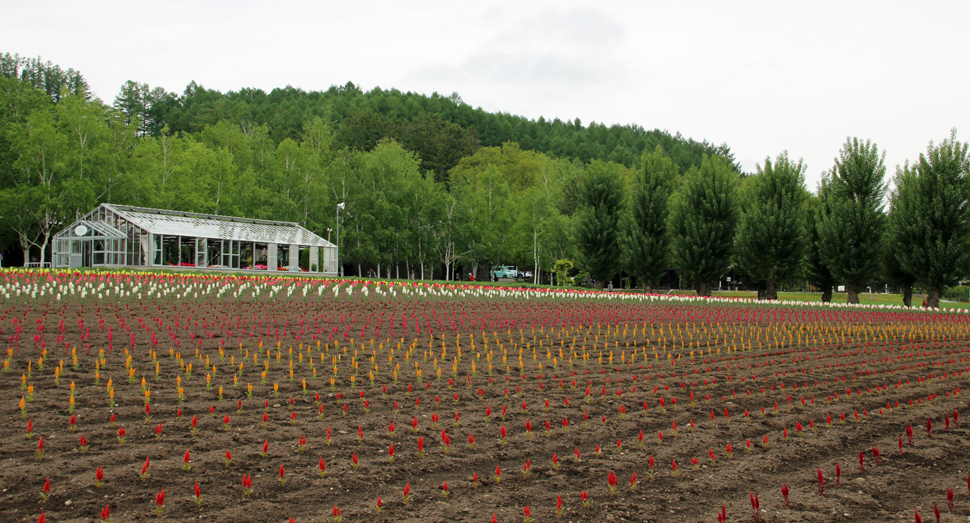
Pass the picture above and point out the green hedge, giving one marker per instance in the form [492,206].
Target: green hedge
[958,293]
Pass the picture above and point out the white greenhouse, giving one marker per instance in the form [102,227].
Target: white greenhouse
[124,236]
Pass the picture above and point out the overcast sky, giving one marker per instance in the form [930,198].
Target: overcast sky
[762,77]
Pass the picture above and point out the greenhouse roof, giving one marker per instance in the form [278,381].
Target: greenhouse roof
[215,226]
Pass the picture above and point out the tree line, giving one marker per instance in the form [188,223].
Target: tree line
[432,187]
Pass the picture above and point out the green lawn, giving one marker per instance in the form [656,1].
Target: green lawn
[864,298]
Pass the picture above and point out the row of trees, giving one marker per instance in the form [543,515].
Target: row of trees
[771,230]
[423,196]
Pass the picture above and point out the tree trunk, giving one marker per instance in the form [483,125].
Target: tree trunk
[704,289]
[933,295]
[771,293]
[648,285]
[827,294]
[908,295]
[761,294]
[852,290]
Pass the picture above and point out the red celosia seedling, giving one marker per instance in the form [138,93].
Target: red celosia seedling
[576,453]
[247,483]
[282,476]
[722,517]
[160,503]
[106,515]
[949,498]
[555,461]
[301,444]
[909,435]
[186,461]
[784,493]
[323,468]
[821,483]
[611,480]
[918,518]
[328,436]
[527,468]
[407,493]
[228,459]
[929,428]
[710,453]
[265,448]
[862,462]
[195,423]
[83,444]
[502,434]
[755,508]
[838,475]
[46,492]
[98,478]
[633,481]
[696,464]
[901,451]
[198,494]
[528,513]
[353,460]
[420,446]
[380,505]
[336,515]
[40,449]
[584,498]
[875,455]
[265,419]
[144,469]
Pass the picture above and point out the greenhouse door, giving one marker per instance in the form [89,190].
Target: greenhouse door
[87,247]
[75,260]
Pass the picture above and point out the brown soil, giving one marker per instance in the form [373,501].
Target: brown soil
[883,358]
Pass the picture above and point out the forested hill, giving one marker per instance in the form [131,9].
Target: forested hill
[440,129]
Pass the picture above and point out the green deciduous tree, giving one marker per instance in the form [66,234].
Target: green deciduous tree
[770,243]
[930,217]
[817,272]
[597,230]
[850,234]
[646,242]
[703,219]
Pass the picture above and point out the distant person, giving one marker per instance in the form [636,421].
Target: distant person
[471,277]
[610,287]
